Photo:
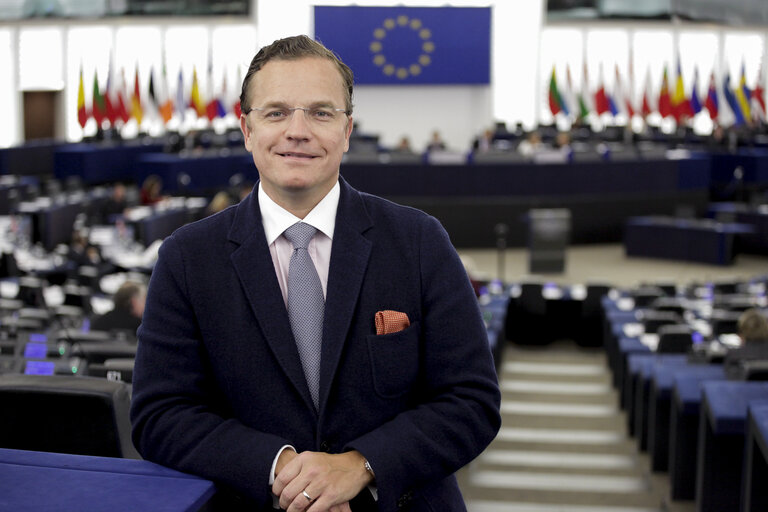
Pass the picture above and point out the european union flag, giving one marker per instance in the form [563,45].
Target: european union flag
[409,45]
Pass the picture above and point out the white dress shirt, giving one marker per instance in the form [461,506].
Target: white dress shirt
[276,220]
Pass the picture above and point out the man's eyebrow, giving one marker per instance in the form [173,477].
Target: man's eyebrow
[314,104]
[275,104]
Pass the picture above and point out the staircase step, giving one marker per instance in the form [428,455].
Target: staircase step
[561,488]
[581,463]
[564,439]
[526,390]
[565,415]
[504,506]
[560,372]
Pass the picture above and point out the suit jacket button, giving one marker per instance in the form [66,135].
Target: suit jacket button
[324,446]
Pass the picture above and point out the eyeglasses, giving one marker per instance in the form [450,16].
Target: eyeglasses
[317,115]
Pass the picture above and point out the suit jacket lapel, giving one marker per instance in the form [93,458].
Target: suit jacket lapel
[349,260]
[254,267]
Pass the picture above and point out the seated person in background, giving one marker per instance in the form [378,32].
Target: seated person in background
[221,201]
[81,252]
[436,143]
[151,190]
[530,145]
[753,330]
[126,315]
[117,202]
[484,142]
[562,140]
[404,146]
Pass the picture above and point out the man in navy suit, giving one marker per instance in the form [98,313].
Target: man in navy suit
[407,392]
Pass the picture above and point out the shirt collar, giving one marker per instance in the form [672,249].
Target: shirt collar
[277,219]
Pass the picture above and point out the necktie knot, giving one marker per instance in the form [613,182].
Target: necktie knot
[300,234]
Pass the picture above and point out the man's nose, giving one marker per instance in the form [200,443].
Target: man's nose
[298,125]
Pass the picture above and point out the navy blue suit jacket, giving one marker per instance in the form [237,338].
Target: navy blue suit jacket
[218,385]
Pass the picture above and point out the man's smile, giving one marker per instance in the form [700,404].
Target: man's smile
[293,154]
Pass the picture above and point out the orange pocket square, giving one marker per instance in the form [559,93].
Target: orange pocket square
[389,321]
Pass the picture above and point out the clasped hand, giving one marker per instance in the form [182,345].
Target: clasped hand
[330,480]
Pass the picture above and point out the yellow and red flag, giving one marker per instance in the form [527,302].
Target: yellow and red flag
[195,101]
[137,112]
[82,112]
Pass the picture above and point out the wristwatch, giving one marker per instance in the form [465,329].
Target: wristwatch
[368,467]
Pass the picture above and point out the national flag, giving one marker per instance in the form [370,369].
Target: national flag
[647,106]
[236,108]
[98,109]
[109,105]
[665,101]
[213,108]
[181,104]
[82,112]
[121,103]
[584,97]
[165,103]
[622,103]
[757,103]
[681,107]
[694,102]
[612,105]
[222,98]
[602,103]
[629,91]
[743,95]
[151,89]
[568,95]
[733,102]
[137,110]
[712,101]
[409,45]
[195,101]
[555,100]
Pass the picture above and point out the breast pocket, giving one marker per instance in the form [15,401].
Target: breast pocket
[394,361]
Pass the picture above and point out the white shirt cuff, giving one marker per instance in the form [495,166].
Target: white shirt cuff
[275,499]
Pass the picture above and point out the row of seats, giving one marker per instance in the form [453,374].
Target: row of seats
[687,392]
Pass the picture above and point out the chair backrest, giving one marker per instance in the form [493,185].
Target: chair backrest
[531,299]
[101,351]
[756,370]
[671,304]
[674,339]
[645,295]
[724,321]
[119,369]
[592,302]
[652,320]
[78,415]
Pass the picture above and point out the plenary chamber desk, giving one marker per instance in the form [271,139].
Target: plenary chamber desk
[698,240]
[471,199]
[40,481]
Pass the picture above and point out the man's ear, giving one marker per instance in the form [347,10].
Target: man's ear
[246,131]
[348,134]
